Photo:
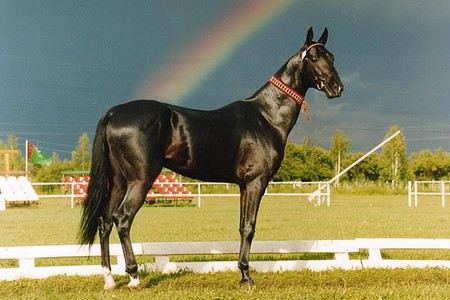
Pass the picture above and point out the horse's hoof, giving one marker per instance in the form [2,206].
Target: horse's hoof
[109,286]
[134,284]
[109,280]
[246,282]
[134,287]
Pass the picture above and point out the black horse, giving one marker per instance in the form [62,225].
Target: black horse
[241,143]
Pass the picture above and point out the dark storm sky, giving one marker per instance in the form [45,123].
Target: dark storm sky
[64,63]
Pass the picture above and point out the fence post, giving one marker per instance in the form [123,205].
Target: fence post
[415,193]
[26,266]
[328,194]
[319,195]
[375,255]
[72,196]
[121,261]
[161,262]
[409,194]
[442,194]
[199,200]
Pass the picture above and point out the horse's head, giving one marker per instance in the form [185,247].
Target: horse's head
[316,66]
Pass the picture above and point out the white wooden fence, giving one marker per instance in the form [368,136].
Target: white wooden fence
[376,259]
[26,256]
[301,189]
[427,188]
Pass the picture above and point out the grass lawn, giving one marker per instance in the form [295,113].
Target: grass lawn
[54,222]
[337,284]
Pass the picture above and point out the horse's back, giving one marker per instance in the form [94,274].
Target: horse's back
[191,142]
[205,145]
[137,112]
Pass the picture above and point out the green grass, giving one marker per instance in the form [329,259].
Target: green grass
[355,216]
[337,284]
[54,222]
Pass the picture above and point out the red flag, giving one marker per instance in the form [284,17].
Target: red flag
[30,151]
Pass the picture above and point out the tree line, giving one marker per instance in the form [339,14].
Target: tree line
[392,165]
[305,161]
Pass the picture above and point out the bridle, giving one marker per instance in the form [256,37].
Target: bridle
[303,54]
[287,90]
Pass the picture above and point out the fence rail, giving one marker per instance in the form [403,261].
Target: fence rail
[297,187]
[26,256]
[427,188]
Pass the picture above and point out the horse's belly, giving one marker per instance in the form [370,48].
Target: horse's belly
[208,165]
[178,154]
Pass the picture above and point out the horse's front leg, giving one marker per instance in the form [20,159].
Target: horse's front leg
[251,194]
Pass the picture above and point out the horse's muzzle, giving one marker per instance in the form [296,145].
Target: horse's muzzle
[334,91]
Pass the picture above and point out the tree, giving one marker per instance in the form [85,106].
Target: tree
[51,173]
[367,170]
[304,162]
[394,159]
[16,160]
[288,169]
[81,156]
[429,165]
[339,147]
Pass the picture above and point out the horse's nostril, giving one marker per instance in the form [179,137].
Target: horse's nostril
[339,88]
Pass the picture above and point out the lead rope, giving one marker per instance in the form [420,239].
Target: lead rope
[304,109]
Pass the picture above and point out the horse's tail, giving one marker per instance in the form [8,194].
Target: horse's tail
[98,191]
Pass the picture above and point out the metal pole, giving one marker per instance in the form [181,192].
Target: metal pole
[364,156]
[360,159]
[26,159]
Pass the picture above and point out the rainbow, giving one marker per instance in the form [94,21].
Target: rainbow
[190,66]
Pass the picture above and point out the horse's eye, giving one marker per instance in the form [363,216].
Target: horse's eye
[314,58]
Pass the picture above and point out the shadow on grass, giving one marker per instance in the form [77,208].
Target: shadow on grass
[155,278]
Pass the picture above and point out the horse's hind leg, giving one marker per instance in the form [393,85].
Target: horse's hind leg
[106,223]
[123,217]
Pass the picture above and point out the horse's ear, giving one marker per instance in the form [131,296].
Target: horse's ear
[309,36]
[324,37]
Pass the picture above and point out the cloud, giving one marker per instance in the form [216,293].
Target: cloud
[351,77]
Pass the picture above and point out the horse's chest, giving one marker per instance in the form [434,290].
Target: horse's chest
[258,156]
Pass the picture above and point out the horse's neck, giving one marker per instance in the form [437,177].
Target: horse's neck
[279,110]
